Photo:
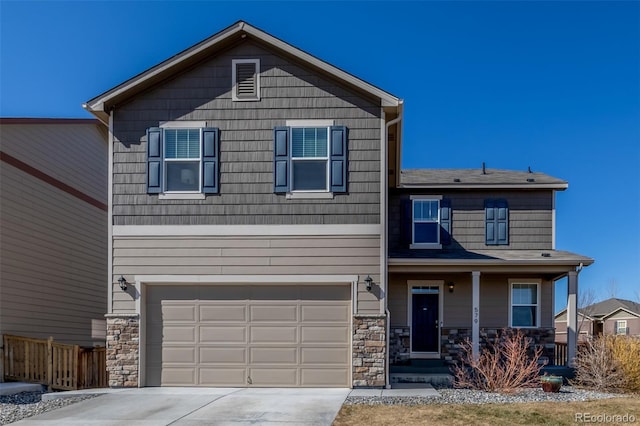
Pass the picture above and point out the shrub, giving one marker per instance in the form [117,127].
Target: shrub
[503,366]
[609,363]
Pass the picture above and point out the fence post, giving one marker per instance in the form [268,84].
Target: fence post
[49,362]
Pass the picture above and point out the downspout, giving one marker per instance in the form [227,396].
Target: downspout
[384,265]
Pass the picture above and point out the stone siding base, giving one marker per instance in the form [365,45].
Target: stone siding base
[399,349]
[123,350]
[452,337]
[369,341]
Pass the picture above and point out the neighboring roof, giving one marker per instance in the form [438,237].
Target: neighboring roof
[476,178]
[488,257]
[607,307]
[11,120]
[225,38]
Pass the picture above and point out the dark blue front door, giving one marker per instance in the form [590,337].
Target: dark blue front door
[424,328]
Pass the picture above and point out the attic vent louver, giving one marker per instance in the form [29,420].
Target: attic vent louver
[246,79]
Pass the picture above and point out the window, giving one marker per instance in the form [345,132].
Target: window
[430,221]
[245,79]
[182,160]
[310,158]
[525,304]
[496,222]
[621,327]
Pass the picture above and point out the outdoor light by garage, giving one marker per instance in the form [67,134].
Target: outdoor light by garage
[368,281]
[451,286]
[123,283]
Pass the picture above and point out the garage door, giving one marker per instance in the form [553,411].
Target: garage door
[293,336]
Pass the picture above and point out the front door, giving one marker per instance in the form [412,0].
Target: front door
[425,319]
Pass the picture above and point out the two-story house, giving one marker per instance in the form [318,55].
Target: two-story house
[251,188]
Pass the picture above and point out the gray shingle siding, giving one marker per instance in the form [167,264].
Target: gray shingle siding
[288,92]
[530,218]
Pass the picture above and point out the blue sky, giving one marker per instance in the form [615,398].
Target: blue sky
[551,85]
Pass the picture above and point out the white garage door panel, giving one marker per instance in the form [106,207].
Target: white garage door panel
[264,335]
[223,355]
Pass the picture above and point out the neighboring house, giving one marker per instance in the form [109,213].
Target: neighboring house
[251,188]
[611,316]
[53,229]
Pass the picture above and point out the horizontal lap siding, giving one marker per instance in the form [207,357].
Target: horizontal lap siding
[246,194]
[53,261]
[530,219]
[304,256]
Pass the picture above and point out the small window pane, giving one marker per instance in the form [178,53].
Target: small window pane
[309,142]
[524,316]
[425,210]
[426,232]
[183,176]
[309,175]
[525,294]
[182,143]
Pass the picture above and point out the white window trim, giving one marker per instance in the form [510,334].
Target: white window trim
[195,195]
[618,322]
[413,245]
[529,281]
[234,62]
[310,193]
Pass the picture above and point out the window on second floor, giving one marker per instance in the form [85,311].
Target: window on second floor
[182,160]
[310,158]
[621,327]
[525,304]
[430,221]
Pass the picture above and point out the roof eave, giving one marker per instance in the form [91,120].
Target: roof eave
[555,186]
[483,262]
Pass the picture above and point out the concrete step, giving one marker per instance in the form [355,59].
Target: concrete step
[439,380]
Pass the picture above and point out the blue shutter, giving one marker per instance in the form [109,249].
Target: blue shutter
[338,158]
[154,160]
[210,160]
[445,222]
[502,222]
[490,222]
[406,222]
[497,222]
[281,159]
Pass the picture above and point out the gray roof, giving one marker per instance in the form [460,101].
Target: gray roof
[611,305]
[475,178]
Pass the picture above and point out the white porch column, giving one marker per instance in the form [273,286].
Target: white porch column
[475,313]
[572,317]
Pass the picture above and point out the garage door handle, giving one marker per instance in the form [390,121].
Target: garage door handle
[249,381]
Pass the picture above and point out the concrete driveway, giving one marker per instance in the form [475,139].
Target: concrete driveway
[200,406]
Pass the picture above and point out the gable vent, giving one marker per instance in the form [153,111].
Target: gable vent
[246,79]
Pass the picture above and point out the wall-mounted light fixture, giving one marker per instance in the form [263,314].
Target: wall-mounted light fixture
[451,286]
[368,281]
[123,283]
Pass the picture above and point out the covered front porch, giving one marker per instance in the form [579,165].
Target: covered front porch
[436,303]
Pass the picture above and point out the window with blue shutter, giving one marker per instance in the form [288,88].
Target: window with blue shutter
[183,160]
[310,159]
[496,222]
[429,222]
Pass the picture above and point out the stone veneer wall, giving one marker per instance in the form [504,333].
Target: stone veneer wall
[451,337]
[369,341]
[123,349]
[399,350]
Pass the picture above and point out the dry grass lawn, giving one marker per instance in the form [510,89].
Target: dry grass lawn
[540,413]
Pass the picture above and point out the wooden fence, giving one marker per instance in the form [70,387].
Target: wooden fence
[560,353]
[56,365]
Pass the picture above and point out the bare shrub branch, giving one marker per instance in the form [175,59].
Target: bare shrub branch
[609,363]
[503,366]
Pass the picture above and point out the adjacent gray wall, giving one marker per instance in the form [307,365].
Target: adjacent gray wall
[246,194]
[53,245]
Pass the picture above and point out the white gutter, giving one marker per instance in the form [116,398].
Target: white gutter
[383,240]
